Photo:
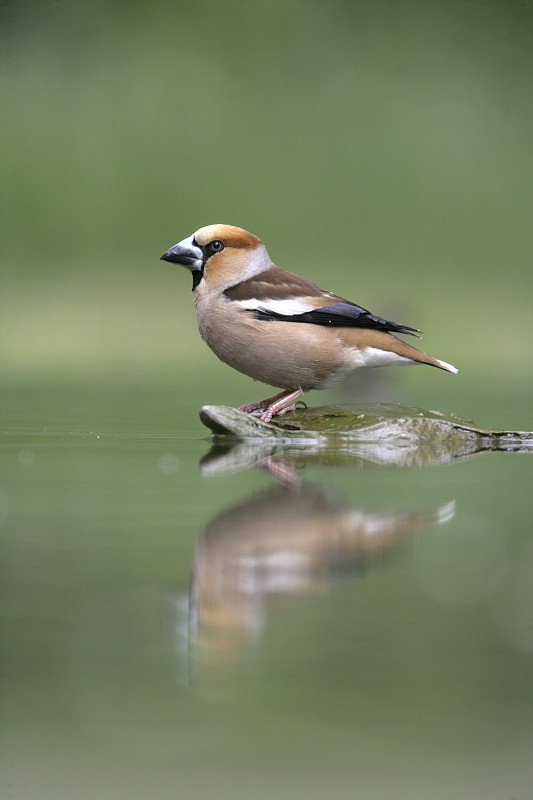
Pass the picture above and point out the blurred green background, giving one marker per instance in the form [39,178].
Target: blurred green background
[383,149]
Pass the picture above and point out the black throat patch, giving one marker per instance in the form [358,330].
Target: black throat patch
[197,275]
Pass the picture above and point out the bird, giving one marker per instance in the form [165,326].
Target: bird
[278,327]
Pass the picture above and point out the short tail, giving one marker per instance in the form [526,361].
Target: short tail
[406,350]
[435,362]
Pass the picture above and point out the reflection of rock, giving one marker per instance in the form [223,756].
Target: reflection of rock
[276,546]
[378,433]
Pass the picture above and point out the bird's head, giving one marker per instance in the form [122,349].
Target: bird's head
[220,256]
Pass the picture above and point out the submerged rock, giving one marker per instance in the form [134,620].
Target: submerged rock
[380,433]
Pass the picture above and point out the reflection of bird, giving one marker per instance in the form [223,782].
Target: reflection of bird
[277,546]
[277,327]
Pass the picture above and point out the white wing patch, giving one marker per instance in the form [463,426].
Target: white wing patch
[286,307]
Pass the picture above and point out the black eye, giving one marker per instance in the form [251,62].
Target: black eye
[216,246]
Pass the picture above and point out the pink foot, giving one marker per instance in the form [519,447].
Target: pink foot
[284,404]
[262,404]
[292,407]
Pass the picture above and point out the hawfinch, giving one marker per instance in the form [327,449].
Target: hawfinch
[277,327]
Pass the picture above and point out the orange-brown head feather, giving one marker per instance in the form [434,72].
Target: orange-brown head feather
[243,255]
[228,234]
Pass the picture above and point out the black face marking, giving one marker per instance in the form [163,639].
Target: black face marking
[197,275]
[209,249]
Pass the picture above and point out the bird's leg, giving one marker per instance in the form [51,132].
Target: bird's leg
[279,406]
[283,472]
[292,407]
[263,404]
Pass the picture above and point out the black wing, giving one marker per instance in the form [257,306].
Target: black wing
[341,315]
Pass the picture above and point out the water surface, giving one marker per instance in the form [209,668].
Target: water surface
[176,631]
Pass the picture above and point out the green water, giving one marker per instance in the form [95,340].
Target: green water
[172,631]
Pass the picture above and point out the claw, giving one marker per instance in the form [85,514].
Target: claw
[276,405]
[292,407]
[262,405]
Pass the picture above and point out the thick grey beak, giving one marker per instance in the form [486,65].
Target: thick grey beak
[185,253]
